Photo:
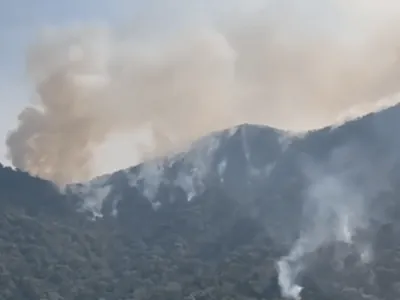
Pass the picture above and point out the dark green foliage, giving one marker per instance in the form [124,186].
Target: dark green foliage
[186,252]
[210,248]
[218,246]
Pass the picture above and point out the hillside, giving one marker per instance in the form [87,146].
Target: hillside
[212,222]
[199,249]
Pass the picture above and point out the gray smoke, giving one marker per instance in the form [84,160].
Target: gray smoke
[290,64]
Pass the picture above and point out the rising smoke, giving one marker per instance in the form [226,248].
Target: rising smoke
[290,64]
[337,207]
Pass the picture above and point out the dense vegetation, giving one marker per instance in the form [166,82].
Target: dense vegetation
[210,248]
[213,247]
[48,251]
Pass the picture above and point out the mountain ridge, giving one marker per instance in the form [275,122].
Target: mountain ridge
[323,205]
[203,155]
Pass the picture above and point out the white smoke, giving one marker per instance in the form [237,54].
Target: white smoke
[335,210]
[197,164]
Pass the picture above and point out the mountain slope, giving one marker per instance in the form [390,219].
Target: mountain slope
[258,165]
[278,181]
[213,222]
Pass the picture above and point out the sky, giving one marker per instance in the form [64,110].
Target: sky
[112,67]
[22,20]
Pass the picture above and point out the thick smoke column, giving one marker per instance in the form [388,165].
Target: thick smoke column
[55,138]
[287,64]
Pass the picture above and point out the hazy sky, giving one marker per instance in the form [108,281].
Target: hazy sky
[22,20]
[292,64]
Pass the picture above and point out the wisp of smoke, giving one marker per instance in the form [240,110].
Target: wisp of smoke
[290,64]
[333,220]
[336,209]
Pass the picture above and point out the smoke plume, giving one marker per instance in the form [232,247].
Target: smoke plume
[290,64]
[338,206]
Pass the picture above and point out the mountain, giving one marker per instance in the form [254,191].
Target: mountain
[246,158]
[251,212]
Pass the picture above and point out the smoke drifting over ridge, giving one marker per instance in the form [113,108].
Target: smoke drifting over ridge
[291,65]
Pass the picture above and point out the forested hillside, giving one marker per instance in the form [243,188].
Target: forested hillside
[224,243]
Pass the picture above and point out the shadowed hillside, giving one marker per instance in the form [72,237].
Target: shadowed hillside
[213,222]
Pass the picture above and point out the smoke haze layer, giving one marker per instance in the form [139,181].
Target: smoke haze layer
[282,63]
